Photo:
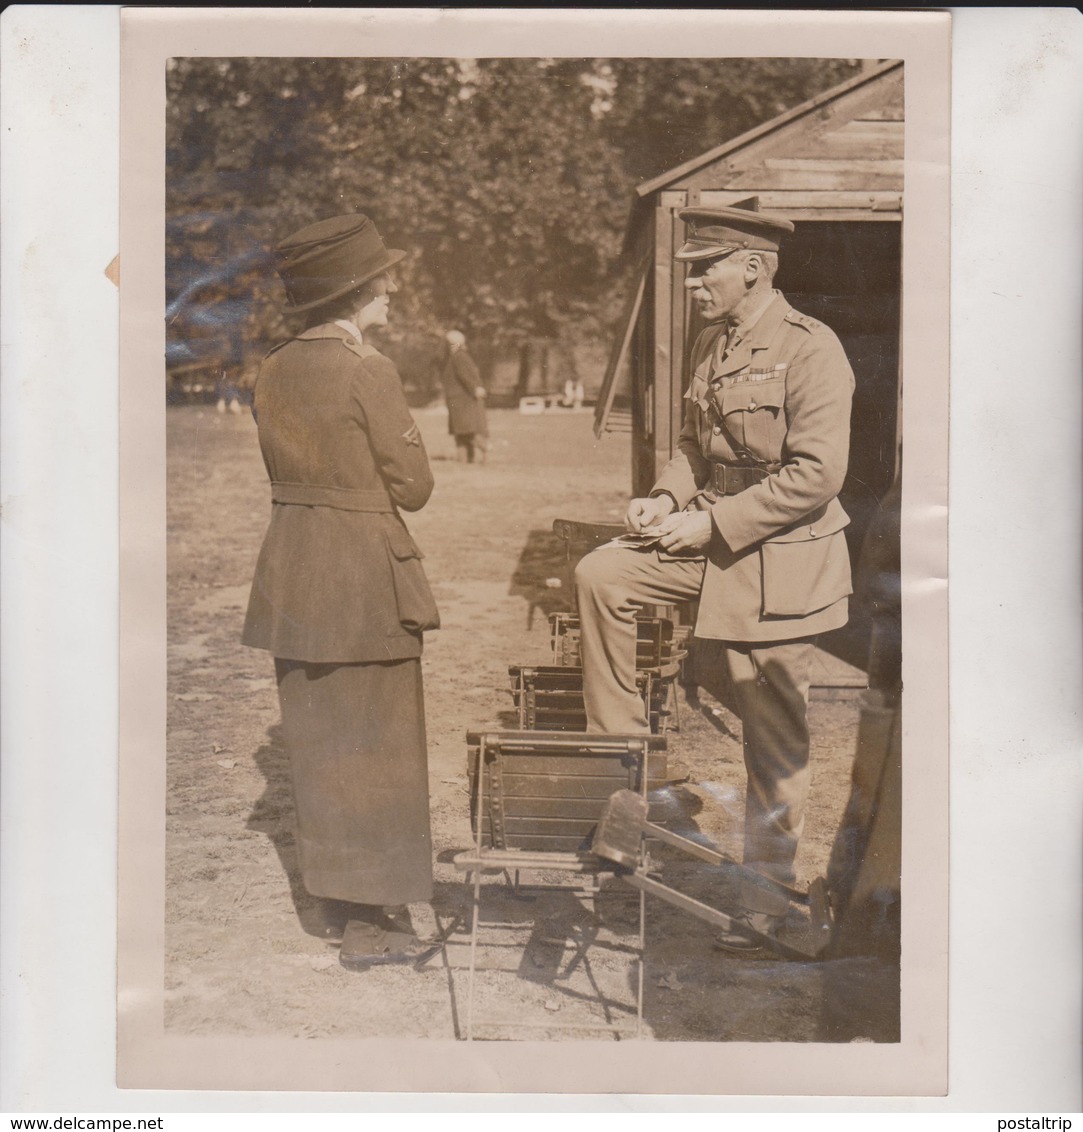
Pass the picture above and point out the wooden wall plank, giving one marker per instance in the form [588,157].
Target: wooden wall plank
[840,146]
[660,399]
[885,115]
[836,215]
[766,179]
[844,148]
[679,333]
[857,165]
[869,130]
[819,201]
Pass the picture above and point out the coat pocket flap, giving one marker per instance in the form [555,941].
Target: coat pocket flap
[401,545]
[807,568]
[748,396]
[829,521]
[413,597]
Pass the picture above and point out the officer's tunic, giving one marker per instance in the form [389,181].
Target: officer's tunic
[774,397]
[341,600]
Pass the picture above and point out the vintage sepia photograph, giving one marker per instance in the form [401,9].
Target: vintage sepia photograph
[481,373]
[480,630]
[534,498]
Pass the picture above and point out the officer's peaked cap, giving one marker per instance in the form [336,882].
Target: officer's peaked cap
[331,258]
[714,232]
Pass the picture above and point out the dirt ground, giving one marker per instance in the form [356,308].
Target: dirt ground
[249,952]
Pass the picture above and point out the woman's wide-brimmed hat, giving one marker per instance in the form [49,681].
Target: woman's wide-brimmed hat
[331,258]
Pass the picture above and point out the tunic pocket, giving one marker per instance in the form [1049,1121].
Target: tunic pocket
[754,416]
[807,568]
[413,599]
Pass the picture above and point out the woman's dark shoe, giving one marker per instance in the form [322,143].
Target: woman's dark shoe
[366,945]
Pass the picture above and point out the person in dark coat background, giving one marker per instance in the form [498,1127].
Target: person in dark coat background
[339,596]
[465,399]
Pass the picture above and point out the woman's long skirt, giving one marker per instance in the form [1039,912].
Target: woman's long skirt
[355,734]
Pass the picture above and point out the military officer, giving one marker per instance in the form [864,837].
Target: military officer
[747,522]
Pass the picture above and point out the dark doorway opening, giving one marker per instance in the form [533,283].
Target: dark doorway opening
[848,274]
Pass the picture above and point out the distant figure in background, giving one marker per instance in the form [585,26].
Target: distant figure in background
[573,393]
[573,383]
[231,370]
[465,400]
[228,390]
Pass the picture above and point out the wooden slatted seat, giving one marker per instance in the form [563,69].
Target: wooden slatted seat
[656,644]
[550,697]
[544,791]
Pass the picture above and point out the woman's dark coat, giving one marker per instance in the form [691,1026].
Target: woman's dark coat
[465,411]
[339,579]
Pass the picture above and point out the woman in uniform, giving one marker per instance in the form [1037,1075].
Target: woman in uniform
[340,597]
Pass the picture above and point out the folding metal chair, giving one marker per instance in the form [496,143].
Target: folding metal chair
[535,800]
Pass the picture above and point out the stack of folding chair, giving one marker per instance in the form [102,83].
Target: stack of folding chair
[538,793]
[550,697]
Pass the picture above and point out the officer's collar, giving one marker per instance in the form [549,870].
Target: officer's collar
[744,328]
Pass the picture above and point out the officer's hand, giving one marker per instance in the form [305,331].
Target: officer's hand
[479,391]
[689,530]
[644,513]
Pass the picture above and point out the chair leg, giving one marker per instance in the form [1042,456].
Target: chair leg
[675,698]
[642,961]
[473,957]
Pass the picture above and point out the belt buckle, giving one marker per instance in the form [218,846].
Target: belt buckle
[731,479]
[723,479]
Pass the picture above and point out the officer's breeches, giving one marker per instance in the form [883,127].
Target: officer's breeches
[771,685]
[770,681]
[612,585]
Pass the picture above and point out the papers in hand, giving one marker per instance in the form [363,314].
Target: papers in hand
[635,540]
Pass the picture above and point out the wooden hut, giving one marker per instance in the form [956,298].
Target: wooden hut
[834,166]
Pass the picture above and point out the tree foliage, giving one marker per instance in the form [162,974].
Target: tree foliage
[507,180]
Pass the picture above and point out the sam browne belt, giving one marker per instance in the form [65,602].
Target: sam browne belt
[729,479]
